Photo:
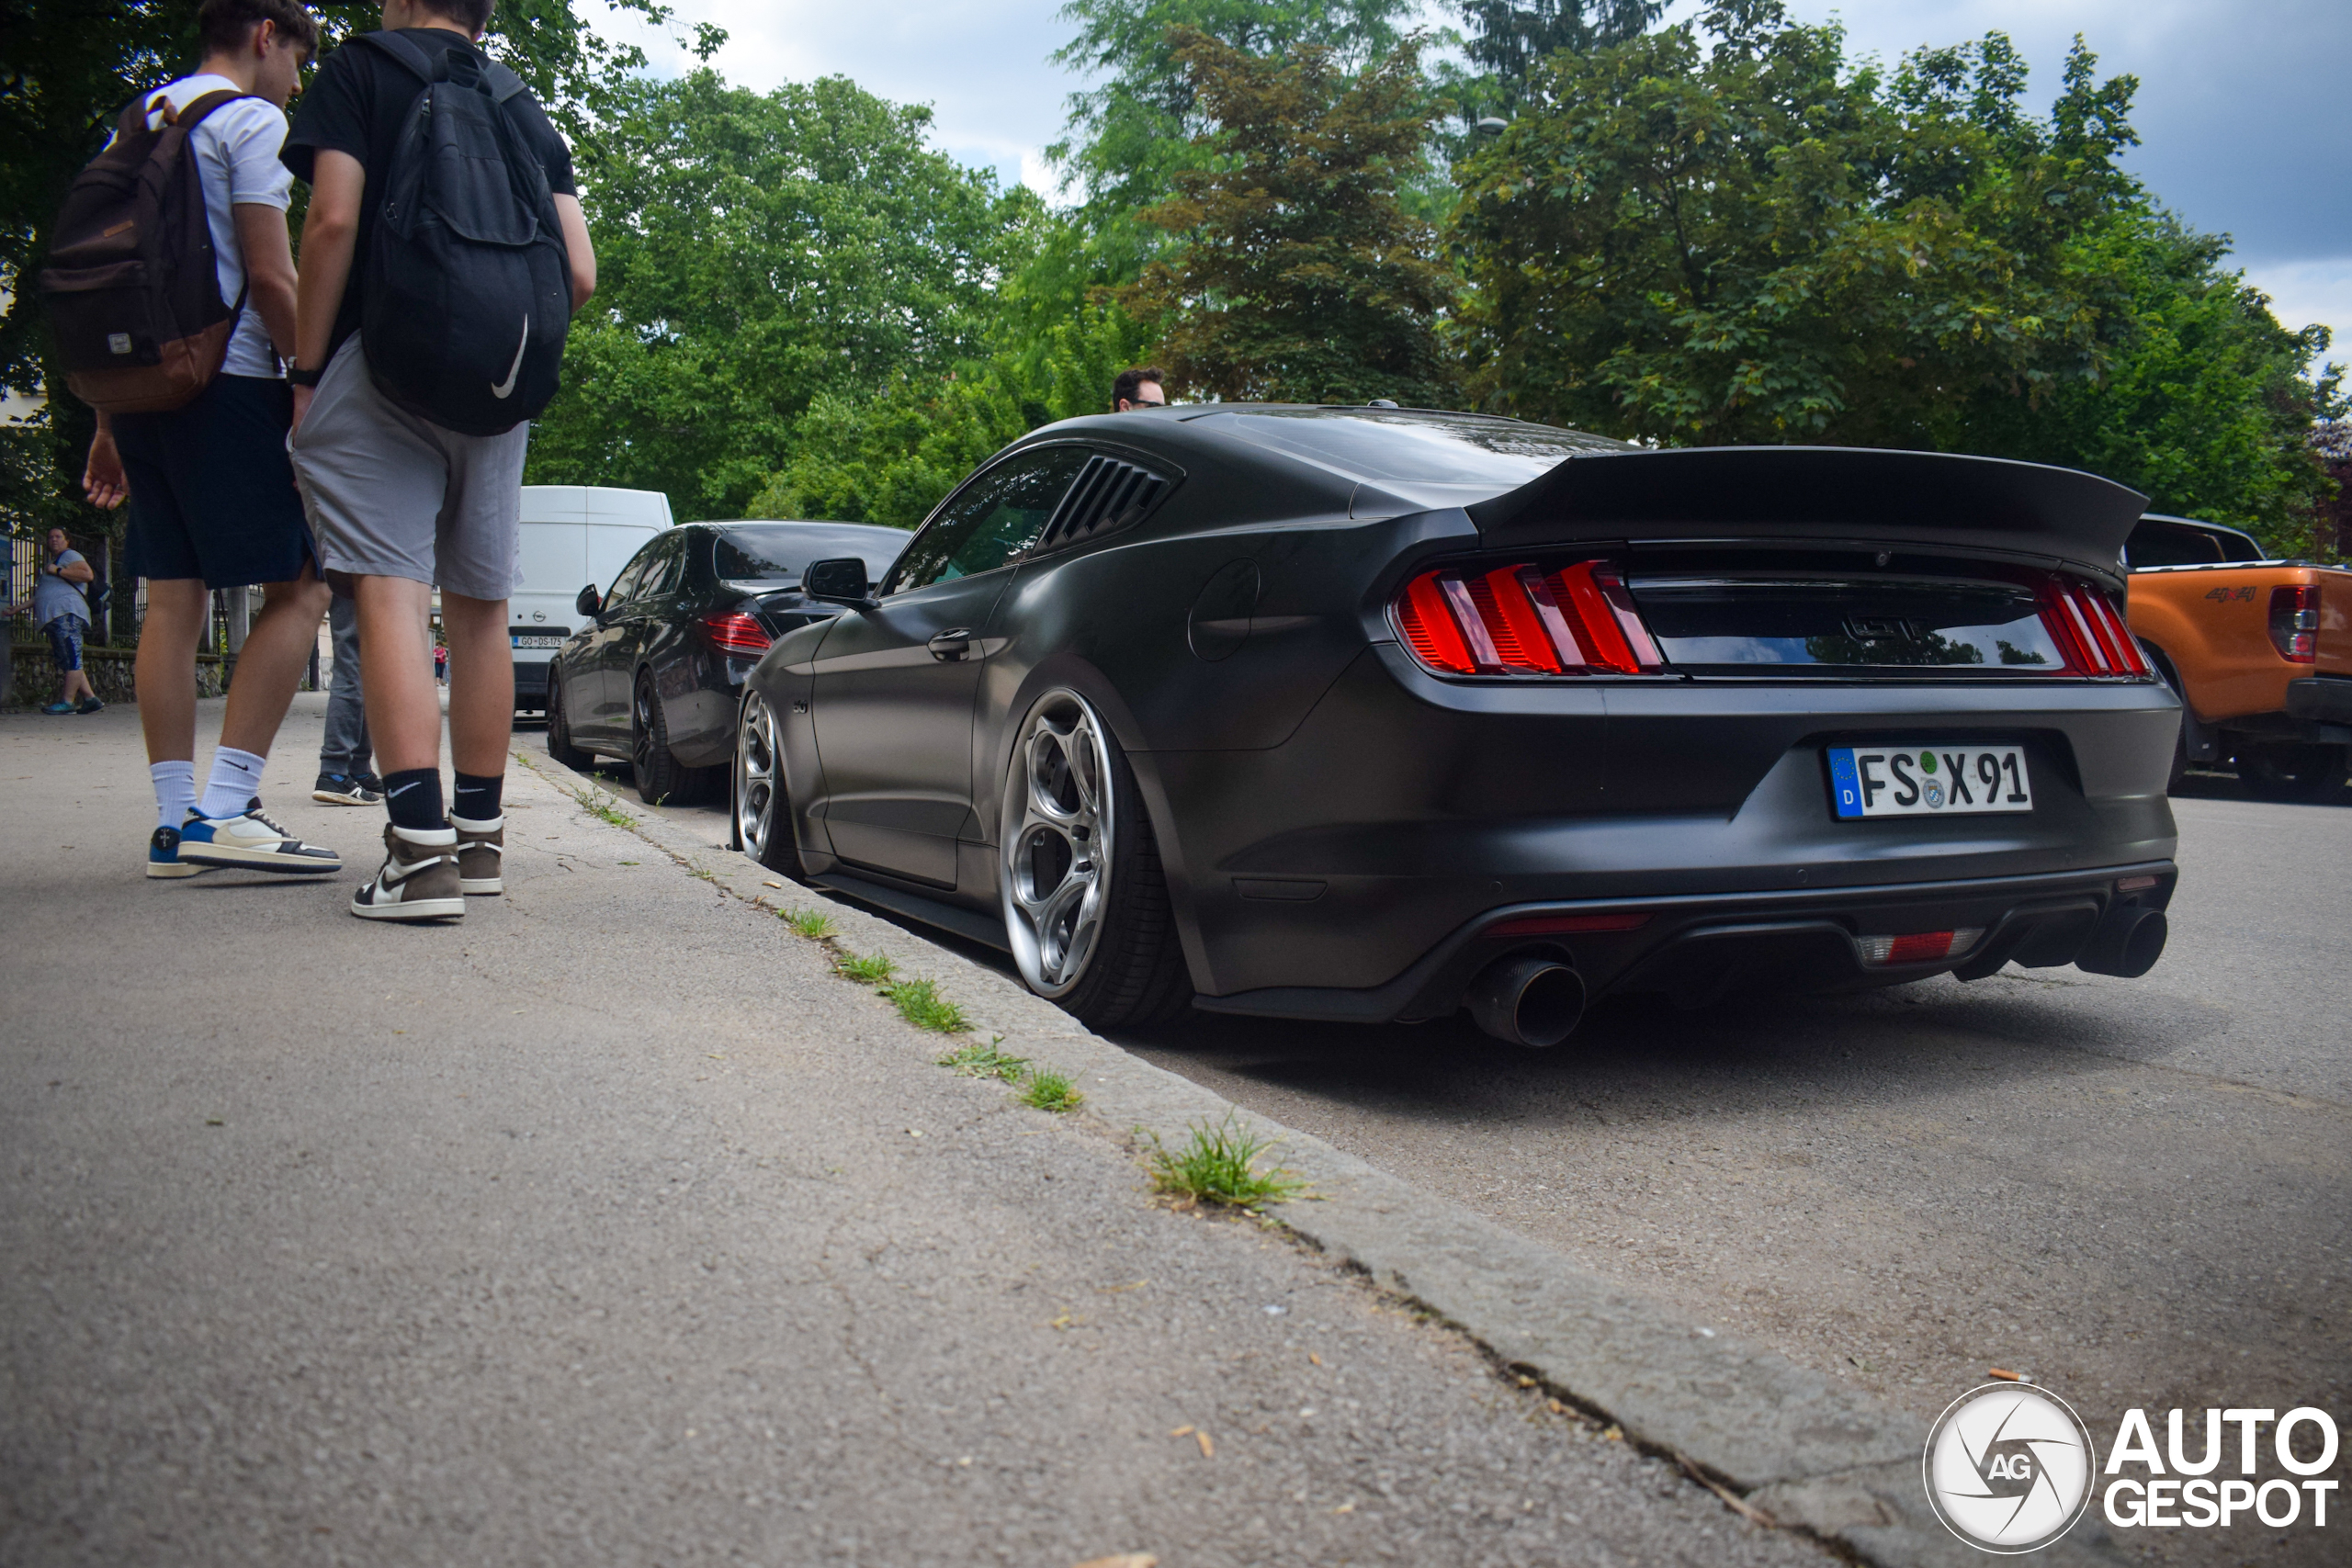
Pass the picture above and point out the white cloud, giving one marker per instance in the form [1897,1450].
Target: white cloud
[2308,292]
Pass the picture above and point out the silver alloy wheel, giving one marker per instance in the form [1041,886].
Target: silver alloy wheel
[1056,841]
[758,778]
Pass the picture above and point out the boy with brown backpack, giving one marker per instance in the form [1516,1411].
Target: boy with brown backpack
[171,284]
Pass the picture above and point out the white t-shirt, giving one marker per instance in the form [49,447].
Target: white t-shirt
[236,152]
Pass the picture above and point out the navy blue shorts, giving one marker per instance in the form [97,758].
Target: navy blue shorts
[211,490]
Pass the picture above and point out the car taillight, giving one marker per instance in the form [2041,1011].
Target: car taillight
[1523,620]
[2088,631]
[2294,623]
[735,632]
[1918,947]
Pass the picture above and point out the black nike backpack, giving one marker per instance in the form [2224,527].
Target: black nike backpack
[133,286]
[465,294]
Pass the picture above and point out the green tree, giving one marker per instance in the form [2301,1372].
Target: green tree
[1505,40]
[1302,276]
[757,252]
[1129,136]
[70,67]
[1753,243]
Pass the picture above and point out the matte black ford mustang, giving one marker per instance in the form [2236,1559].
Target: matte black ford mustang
[1369,714]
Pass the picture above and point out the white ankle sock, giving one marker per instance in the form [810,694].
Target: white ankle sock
[175,792]
[236,780]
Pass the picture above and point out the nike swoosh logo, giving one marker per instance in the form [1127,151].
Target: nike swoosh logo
[403,789]
[506,386]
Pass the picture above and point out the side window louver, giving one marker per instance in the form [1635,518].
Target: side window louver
[1109,495]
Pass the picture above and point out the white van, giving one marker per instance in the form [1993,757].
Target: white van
[573,536]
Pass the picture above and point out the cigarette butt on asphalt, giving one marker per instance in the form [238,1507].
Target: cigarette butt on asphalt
[2006,1375]
[1208,1448]
[1181,1432]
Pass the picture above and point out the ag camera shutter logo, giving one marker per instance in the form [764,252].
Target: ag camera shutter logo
[2008,1468]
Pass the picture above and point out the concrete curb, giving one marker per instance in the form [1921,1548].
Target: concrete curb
[1802,1447]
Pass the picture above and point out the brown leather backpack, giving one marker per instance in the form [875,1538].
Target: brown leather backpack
[133,283]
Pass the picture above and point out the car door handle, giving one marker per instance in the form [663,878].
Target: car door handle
[952,643]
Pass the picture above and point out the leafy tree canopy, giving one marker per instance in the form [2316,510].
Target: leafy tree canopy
[1750,242]
[1302,276]
[756,252]
[1506,39]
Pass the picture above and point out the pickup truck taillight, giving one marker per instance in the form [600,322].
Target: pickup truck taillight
[2294,623]
[1525,620]
[2094,637]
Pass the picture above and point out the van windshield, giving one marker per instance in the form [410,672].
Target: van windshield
[779,552]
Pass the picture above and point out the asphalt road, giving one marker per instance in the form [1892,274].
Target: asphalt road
[2138,1192]
[611,1227]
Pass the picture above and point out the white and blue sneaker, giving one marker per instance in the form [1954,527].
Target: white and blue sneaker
[163,855]
[251,840]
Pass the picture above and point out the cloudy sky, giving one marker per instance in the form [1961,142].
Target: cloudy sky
[2241,112]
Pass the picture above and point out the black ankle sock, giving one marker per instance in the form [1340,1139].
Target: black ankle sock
[414,798]
[478,796]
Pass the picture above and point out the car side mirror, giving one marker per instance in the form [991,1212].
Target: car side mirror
[588,604]
[839,582]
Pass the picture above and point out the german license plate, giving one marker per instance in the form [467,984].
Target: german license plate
[538,642]
[1927,780]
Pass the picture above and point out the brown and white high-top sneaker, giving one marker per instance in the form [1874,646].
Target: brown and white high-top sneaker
[419,879]
[481,851]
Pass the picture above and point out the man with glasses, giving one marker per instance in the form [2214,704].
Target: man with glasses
[1139,386]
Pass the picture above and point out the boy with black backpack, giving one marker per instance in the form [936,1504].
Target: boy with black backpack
[442,257]
[171,287]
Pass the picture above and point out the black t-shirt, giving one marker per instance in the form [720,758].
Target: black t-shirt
[357,103]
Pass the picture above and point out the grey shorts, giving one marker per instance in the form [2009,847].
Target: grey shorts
[392,495]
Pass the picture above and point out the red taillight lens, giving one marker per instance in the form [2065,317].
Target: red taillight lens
[2294,624]
[1917,947]
[2088,630]
[735,632]
[1520,619]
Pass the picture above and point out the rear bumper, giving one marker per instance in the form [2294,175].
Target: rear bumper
[1404,813]
[1699,948]
[2322,699]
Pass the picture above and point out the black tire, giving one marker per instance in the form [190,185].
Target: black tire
[1124,967]
[2290,771]
[759,803]
[661,778]
[559,745]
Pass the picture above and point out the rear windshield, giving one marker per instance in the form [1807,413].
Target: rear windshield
[2184,543]
[1415,449]
[778,552]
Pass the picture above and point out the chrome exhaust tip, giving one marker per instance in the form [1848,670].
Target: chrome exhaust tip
[1528,1000]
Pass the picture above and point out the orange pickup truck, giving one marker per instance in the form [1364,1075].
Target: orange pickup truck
[2258,651]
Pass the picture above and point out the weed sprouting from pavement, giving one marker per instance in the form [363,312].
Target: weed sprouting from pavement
[870,970]
[920,1003]
[1217,1164]
[814,924]
[602,807]
[979,1061]
[1049,1091]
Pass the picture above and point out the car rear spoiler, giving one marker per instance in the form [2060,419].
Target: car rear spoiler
[1882,497]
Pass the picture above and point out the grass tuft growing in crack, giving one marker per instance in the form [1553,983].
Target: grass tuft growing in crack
[920,1003]
[604,808]
[1218,1165]
[979,1061]
[814,924]
[1048,1090]
[870,970]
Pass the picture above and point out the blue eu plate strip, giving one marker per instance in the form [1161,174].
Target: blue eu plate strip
[1845,788]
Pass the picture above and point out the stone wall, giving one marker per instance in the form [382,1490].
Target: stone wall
[35,682]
